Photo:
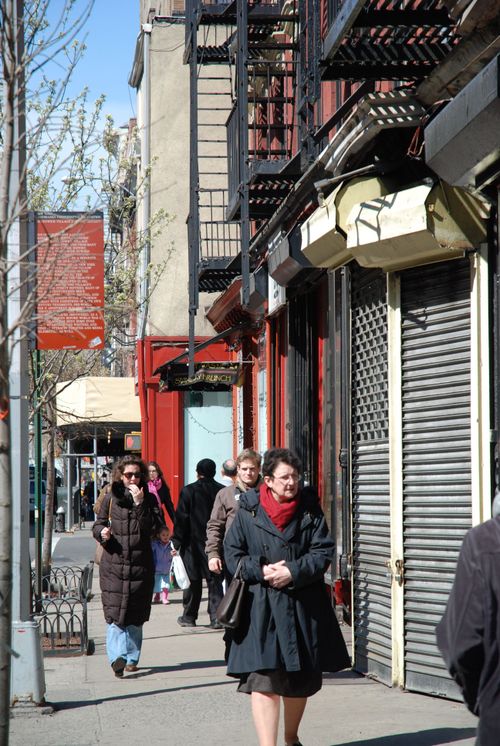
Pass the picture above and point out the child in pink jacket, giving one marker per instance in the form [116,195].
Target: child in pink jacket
[162,555]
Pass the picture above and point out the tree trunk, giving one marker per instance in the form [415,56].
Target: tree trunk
[9,53]
[5,568]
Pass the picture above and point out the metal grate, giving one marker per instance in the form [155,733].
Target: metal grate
[369,359]
[370,474]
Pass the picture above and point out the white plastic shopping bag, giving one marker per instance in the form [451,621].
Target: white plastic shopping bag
[181,576]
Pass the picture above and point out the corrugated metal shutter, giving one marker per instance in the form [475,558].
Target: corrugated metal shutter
[435,304]
[370,475]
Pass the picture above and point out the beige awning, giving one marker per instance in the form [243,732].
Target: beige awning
[323,234]
[424,224]
[97,400]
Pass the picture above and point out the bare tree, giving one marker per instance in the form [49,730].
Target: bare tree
[11,51]
[53,166]
[72,163]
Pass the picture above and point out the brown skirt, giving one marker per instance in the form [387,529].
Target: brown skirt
[283,683]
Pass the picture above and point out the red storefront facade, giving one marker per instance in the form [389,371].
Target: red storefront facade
[162,412]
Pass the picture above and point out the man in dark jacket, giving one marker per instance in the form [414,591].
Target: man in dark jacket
[195,505]
[468,635]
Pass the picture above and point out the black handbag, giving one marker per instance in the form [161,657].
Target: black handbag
[229,611]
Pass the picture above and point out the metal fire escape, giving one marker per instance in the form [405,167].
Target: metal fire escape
[251,127]
[213,242]
[386,39]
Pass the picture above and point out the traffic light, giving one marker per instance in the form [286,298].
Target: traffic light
[133,442]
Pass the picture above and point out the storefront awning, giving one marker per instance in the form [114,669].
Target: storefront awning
[97,400]
[427,223]
[234,331]
[324,232]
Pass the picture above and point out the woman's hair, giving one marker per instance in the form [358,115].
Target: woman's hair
[157,467]
[121,466]
[275,456]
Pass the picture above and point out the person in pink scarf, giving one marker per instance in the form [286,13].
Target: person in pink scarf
[159,488]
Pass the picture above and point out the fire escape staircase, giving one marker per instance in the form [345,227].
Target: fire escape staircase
[262,127]
[386,39]
[213,241]
[243,130]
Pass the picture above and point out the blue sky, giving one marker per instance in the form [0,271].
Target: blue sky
[110,35]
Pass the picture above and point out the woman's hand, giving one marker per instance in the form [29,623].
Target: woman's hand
[277,575]
[137,493]
[105,534]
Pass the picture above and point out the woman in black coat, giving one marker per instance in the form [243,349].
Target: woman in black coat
[158,487]
[291,633]
[127,518]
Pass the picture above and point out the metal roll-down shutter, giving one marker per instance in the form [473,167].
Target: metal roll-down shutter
[435,305]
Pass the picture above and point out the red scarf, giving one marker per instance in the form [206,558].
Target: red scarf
[280,513]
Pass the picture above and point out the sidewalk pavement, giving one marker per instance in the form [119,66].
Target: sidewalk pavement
[181,695]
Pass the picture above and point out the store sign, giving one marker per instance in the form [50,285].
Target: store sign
[70,281]
[207,377]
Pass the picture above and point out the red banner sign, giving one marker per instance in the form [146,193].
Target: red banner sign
[70,281]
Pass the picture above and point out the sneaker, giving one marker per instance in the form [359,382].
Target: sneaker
[156,598]
[214,624]
[185,622]
[118,667]
[130,667]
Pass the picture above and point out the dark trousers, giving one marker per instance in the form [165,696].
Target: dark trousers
[191,597]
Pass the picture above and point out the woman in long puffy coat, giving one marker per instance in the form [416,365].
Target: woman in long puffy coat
[290,634]
[127,518]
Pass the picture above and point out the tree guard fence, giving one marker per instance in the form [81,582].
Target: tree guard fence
[62,610]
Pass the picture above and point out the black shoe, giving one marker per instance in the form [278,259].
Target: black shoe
[185,622]
[214,624]
[118,667]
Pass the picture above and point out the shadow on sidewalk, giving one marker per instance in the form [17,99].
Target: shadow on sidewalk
[189,665]
[434,737]
[76,704]
[343,675]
